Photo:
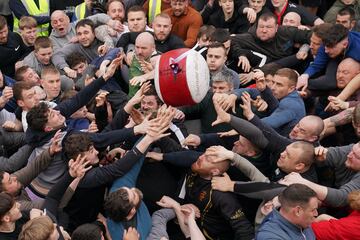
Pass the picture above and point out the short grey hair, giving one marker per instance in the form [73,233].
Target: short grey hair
[225,75]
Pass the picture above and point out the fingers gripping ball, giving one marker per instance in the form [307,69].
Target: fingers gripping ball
[181,77]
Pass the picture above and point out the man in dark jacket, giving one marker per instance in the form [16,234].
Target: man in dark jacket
[268,43]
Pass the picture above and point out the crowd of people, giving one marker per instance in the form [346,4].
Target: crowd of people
[90,152]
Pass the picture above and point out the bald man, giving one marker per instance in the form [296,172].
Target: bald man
[346,71]
[292,19]
[63,31]
[143,62]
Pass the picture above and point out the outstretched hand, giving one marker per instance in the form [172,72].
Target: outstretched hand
[79,167]
[222,116]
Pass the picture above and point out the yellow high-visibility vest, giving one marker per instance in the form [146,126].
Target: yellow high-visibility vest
[80,11]
[33,10]
[154,9]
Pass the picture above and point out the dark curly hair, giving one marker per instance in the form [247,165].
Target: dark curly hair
[117,205]
[76,144]
[37,117]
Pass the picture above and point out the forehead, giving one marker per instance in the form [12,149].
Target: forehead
[216,51]
[138,14]
[50,77]
[220,84]
[57,16]
[292,15]
[84,28]
[269,21]
[149,98]
[115,5]
[162,20]
[280,80]
[315,38]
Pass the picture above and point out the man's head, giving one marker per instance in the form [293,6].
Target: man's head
[39,228]
[122,204]
[299,205]
[227,6]
[257,5]
[297,157]
[179,7]
[284,82]
[269,71]
[292,19]
[151,102]
[335,40]
[50,81]
[60,22]
[144,46]
[85,32]
[356,119]
[80,143]
[77,62]
[9,209]
[28,30]
[162,26]
[4,31]
[206,168]
[116,10]
[42,118]
[203,37]
[353,158]
[266,27]
[222,81]
[246,148]
[221,35]
[89,231]
[346,17]
[27,74]
[136,18]
[308,129]
[278,3]
[216,56]
[43,50]
[10,184]
[25,95]
[317,35]
[346,71]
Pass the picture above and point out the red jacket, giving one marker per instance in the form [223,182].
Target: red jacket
[347,228]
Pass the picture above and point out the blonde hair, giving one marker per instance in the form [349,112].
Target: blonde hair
[27,22]
[39,228]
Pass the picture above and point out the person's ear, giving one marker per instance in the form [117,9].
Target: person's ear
[131,214]
[299,166]
[6,218]
[48,129]
[215,172]
[20,103]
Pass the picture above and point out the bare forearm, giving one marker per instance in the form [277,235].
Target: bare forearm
[350,88]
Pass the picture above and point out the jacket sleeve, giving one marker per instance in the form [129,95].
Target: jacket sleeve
[82,98]
[276,142]
[281,116]
[182,159]
[60,55]
[248,169]
[19,10]
[55,194]
[17,160]
[269,98]
[249,131]
[34,168]
[107,174]
[159,221]
[231,210]
[192,31]
[102,34]
[319,63]
[339,197]
[104,139]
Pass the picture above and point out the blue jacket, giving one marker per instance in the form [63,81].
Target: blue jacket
[277,227]
[289,112]
[322,57]
[143,218]
[11,105]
